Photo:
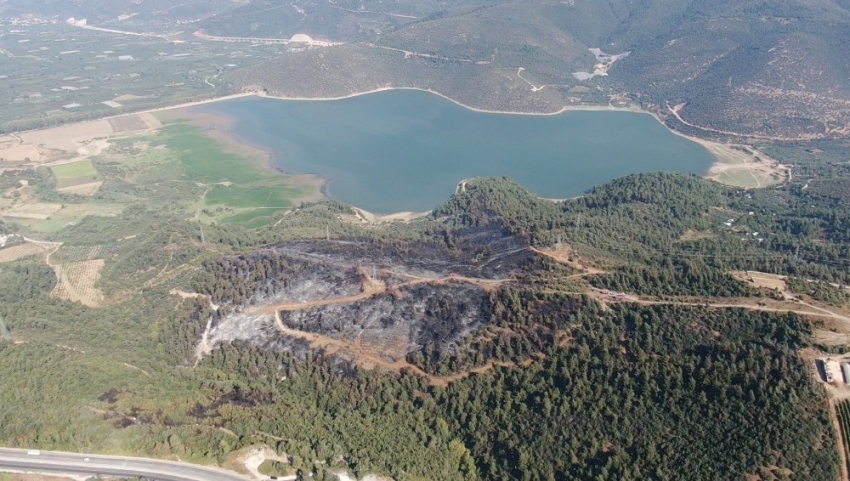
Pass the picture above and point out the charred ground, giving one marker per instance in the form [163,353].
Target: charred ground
[423,301]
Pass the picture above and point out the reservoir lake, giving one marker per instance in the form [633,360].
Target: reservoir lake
[406,150]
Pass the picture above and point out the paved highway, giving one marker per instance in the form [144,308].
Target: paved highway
[92,464]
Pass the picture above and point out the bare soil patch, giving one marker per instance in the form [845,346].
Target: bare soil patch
[35,210]
[831,337]
[566,255]
[77,280]
[692,235]
[129,97]
[133,123]
[86,190]
[21,153]
[193,295]
[68,137]
[366,216]
[743,166]
[762,280]
[20,251]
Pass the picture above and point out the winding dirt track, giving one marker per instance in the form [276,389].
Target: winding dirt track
[371,287]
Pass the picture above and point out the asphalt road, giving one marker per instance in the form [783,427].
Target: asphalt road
[56,462]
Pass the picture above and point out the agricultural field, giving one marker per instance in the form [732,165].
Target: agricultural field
[100,168]
[843,409]
[74,170]
[73,254]
[77,282]
[233,189]
[74,174]
[35,210]
[57,73]
[20,251]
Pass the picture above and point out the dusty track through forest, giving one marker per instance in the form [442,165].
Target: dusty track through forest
[372,287]
[367,360]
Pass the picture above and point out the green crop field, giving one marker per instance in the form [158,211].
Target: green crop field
[252,196]
[241,184]
[204,160]
[251,219]
[74,170]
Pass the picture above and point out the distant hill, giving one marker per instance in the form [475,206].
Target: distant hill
[770,69]
[138,14]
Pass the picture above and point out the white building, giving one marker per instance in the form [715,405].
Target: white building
[833,371]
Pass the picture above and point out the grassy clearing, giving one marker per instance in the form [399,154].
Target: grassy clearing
[75,170]
[739,178]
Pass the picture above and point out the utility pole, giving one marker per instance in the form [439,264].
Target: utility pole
[328,232]
[578,222]
[4,333]
[203,239]
[797,255]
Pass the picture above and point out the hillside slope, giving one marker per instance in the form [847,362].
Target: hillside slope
[771,70]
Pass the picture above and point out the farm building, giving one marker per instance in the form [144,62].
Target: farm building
[845,368]
[833,371]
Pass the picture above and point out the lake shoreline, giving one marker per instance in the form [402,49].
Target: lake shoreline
[712,147]
[219,128]
[278,158]
[724,154]
[720,164]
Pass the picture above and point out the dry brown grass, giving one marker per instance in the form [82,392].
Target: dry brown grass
[692,235]
[762,280]
[68,137]
[87,190]
[133,123]
[21,153]
[36,210]
[11,254]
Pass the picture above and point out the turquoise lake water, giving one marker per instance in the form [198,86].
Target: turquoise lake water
[406,150]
